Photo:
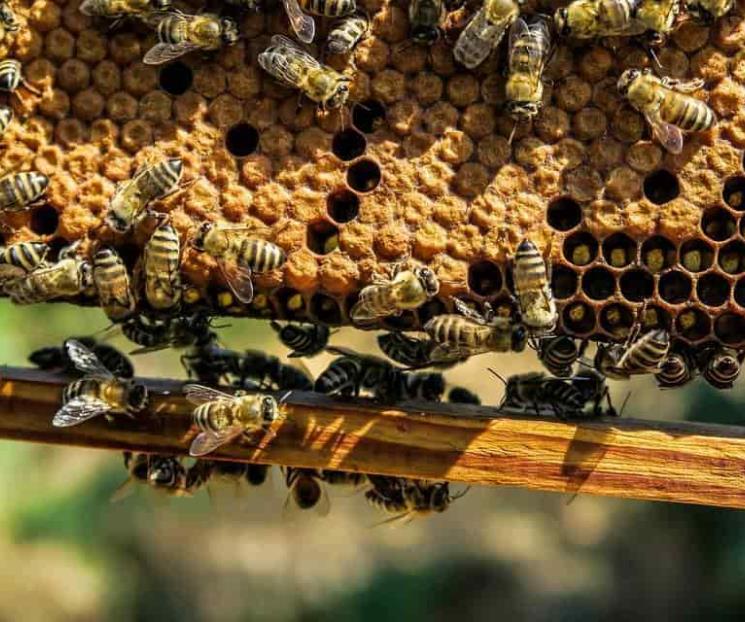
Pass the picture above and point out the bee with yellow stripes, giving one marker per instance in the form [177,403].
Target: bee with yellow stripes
[6,117]
[8,18]
[706,12]
[112,282]
[529,49]
[19,259]
[484,32]
[161,266]
[19,191]
[347,32]
[533,290]
[11,77]
[118,9]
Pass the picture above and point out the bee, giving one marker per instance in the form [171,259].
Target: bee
[210,363]
[238,256]
[6,117]
[303,339]
[461,395]
[179,331]
[98,392]
[402,385]
[656,19]
[112,283]
[179,34]
[706,12]
[306,491]
[678,369]
[19,191]
[533,290]
[118,9]
[484,32]
[293,66]
[347,33]
[410,351]
[256,368]
[68,277]
[163,473]
[11,77]
[542,394]
[222,418]
[407,499]
[147,184]
[160,262]
[425,21]
[8,18]
[593,387]
[642,355]
[302,25]
[55,358]
[343,478]
[329,8]
[408,290]
[720,367]
[456,337]
[236,472]
[559,354]
[588,19]
[528,52]
[19,259]
[352,373]
[665,107]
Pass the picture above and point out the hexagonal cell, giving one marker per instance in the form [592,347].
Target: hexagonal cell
[564,214]
[654,317]
[348,144]
[343,205]
[405,321]
[636,285]
[290,303]
[325,309]
[176,78]
[580,248]
[696,255]
[661,187]
[731,257]
[579,318]
[364,175]
[675,287]
[730,328]
[44,220]
[368,116]
[740,292]
[693,324]
[712,289]
[485,278]
[241,140]
[616,319]
[658,253]
[563,282]
[322,237]
[430,309]
[598,283]
[733,192]
[718,224]
[619,250]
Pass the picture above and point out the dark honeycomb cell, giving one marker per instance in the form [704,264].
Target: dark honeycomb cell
[55,245]
[731,257]
[176,78]
[740,292]
[405,321]
[343,205]
[658,253]
[696,255]
[325,309]
[364,175]
[733,193]
[44,220]
[579,318]
[637,285]
[485,278]
[429,310]
[563,282]
[368,116]
[580,248]
[564,214]
[730,328]
[718,224]
[654,317]
[598,283]
[675,287]
[322,237]
[693,324]
[661,187]
[619,250]
[291,303]
[616,319]
[348,144]
[712,289]
[242,139]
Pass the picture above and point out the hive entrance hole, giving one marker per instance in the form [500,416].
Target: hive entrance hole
[563,282]
[696,255]
[242,139]
[322,237]
[580,248]
[658,253]
[619,250]
[564,214]
[718,224]
[348,144]
[484,278]
[325,309]
[617,320]
[675,287]
[579,318]
[598,283]
[693,324]
[44,220]
[363,176]
[730,328]
[176,78]
[661,187]
[637,285]
[712,290]
[368,115]
[343,205]
[732,257]
[734,193]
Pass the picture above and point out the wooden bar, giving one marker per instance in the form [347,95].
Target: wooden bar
[680,462]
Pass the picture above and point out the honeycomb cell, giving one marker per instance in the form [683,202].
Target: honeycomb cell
[44,220]
[712,289]
[485,278]
[598,283]
[325,309]
[343,205]
[589,123]
[364,175]
[368,116]
[693,324]
[579,318]
[718,224]
[619,250]
[636,285]
[241,140]
[564,282]
[654,317]
[176,78]
[616,319]
[733,193]
[731,257]
[661,187]
[580,248]
[322,237]
[573,94]
[644,157]
[348,144]
[739,293]
[696,255]
[657,253]
[73,76]
[730,328]
[290,303]
[564,214]
[675,287]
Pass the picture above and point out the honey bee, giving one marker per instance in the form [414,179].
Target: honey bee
[461,395]
[163,473]
[484,32]
[588,19]
[293,66]
[179,34]
[678,369]
[8,18]
[407,499]
[457,337]
[222,418]
[19,191]
[347,33]
[706,12]
[656,19]
[528,52]
[179,331]
[534,391]
[642,355]
[147,184]
[11,77]
[409,289]
[343,478]
[352,373]
[303,339]
[254,368]
[55,358]
[238,256]
[409,351]
[665,107]
[425,20]
[533,290]
[302,25]
[402,385]
[720,367]
[98,392]
[112,283]
[329,8]
[117,9]
[68,277]
[19,259]
[160,262]
[558,354]
[306,491]
[6,118]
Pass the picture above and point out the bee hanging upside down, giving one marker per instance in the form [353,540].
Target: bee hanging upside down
[162,473]
[306,492]
[304,340]
[639,355]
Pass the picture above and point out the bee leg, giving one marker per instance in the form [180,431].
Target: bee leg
[683,86]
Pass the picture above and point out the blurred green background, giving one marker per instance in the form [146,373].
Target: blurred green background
[69,554]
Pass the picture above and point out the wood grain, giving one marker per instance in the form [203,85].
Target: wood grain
[680,462]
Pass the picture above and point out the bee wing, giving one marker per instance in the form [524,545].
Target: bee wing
[207,442]
[518,30]
[238,279]
[443,353]
[78,410]
[199,394]
[302,24]
[85,360]
[668,134]
[163,52]
[467,312]
[87,7]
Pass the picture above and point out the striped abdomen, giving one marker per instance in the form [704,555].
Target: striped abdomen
[303,339]
[329,8]
[25,256]
[173,29]
[617,15]
[112,282]
[6,116]
[530,270]
[216,416]
[19,190]
[162,270]
[646,355]
[90,387]
[558,354]
[345,35]
[342,375]
[259,255]
[675,371]
[722,369]
[688,113]
[460,332]
[10,75]
[562,394]
[161,179]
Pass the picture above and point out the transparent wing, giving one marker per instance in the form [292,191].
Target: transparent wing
[207,442]
[444,354]
[302,24]
[518,30]
[466,311]
[79,410]
[669,135]
[199,394]
[289,65]
[683,86]
[163,52]
[85,360]
[239,280]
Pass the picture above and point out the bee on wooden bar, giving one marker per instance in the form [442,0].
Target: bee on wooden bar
[112,283]
[461,395]
[8,18]
[19,259]
[347,32]
[558,354]
[720,366]
[180,331]
[222,418]
[19,191]
[533,290]
[179,34]
[238,256]
[529,49]
[303,339]
[11,77]
[484,32]
[68,277]
[402,385]
[163,473]
[161,265]
[6,118]
[410,351]
[255,368]
[293,66]
[55,358]
[407,499]
[118,9]
[678,369]
[707,12]
[426,18]
[352,373]
[665,106]
[541,394]
[306,492]
[593,387]
[642,355]
[98,392]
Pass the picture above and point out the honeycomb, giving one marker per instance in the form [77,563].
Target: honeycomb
[417,166]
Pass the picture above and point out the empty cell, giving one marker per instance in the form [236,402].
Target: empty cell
[485,278]
[619,250]
[579,318]
[658,253]
[636,285]
[363,175]
[564,214]
[733,192]
[368,116]
[325,309]
[693,324]
[712,289]
[696,255]
[718,224]
[730,328]
[616,319]
[322,237]
[343,205]
[176,78]
[580,248]
[598,283]
[675,287]
[348,144]
[661,187]
[44,220]
[731,257]
[242,139]
[563,282]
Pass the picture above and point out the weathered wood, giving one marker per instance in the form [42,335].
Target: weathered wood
[681,462]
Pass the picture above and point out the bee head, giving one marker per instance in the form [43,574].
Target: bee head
[164,471]
[561,22]
[198,240]
[429,281]
[440,499]
[137,397]
[229,29]
[521,110]
[519,338]
[160,5]
[425,35]
[433,386]
[626,79]
[269,409]
[340,94]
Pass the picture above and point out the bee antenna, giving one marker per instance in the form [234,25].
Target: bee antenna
[655,59]
[283,399]
[625,401]
[512,133]
[494,373]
